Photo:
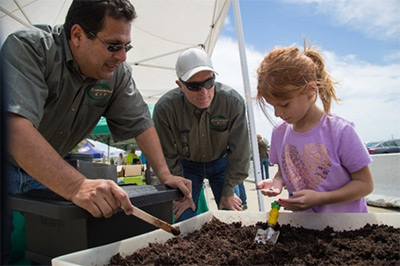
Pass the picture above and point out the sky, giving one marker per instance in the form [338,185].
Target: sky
[359,40]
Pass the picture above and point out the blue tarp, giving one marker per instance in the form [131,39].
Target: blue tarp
[87,148]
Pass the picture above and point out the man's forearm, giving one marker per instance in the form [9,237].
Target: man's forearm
[38,158]
[150,145]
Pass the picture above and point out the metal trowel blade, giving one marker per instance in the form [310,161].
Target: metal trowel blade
[263,236]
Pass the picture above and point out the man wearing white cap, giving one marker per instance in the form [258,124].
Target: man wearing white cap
[203,131]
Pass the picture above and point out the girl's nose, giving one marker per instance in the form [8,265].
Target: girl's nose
[277,112]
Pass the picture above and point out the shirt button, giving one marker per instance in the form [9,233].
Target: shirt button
[203,156]
[202,135]
[73,109]
[60,132]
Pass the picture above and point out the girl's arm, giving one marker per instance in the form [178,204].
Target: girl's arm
[360,186]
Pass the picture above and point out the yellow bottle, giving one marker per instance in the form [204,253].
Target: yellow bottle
[273,213]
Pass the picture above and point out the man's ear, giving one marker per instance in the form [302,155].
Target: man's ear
[180,85]
[77,34]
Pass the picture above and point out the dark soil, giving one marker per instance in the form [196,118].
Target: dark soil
[219,243]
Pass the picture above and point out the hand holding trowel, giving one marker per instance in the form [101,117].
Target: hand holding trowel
[263,236]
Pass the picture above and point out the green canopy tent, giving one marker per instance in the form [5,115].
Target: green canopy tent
[102,134]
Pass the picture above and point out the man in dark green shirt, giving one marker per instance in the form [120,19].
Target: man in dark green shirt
[60,81]
[203,131]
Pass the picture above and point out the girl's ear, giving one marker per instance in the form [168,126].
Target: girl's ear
[312,88]
[312,85]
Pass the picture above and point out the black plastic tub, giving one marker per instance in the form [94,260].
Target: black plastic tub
[79,156]
[55,226]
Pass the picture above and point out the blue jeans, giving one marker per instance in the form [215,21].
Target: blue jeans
[240,191]
[18,182]
[214,171]
[264,162]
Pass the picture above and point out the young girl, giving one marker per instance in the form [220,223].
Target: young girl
[322,161]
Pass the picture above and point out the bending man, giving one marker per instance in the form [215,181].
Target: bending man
[60,81]
[203,130]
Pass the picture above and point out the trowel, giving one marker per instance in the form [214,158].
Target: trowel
[269,235]
[155,221]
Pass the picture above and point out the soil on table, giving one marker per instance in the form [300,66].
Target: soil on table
[219,243]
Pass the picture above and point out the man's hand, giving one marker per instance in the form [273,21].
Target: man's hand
[230,203]
[183,184]
[101,197]
[181,205]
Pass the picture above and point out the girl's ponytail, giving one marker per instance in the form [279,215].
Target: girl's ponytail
[324,81]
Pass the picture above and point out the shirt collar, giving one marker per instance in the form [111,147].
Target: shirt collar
[68,55]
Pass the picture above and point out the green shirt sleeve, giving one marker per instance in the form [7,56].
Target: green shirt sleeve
[162,124]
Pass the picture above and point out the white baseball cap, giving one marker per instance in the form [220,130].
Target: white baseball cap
[193,61]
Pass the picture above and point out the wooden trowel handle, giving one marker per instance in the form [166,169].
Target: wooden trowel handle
[155,221]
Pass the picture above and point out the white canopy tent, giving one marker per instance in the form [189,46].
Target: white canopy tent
[162,30]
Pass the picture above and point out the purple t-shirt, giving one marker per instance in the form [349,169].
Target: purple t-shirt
[320,159]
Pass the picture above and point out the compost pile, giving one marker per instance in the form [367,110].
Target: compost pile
[219,243]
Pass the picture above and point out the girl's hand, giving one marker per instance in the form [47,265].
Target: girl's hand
[301,200]
[270,187]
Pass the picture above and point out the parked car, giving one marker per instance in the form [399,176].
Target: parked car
[387,146]
[371,144]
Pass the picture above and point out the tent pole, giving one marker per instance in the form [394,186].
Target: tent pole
[108,149]
[249,103]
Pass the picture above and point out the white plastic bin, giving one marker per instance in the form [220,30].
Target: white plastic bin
[101,255]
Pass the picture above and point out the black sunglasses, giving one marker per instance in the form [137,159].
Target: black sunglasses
[197,86]
[113,48]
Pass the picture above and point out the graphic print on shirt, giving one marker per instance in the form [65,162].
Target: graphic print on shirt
[219,123]
[308,168]
[98,91]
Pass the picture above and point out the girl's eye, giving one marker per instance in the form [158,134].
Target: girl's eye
[285,105]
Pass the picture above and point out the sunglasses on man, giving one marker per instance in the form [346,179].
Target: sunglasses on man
[197,86]
[113,48]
